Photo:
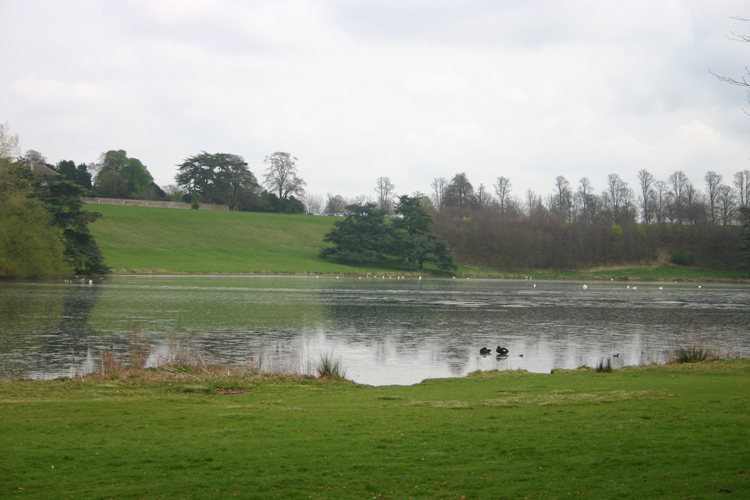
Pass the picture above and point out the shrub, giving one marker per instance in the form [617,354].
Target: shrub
[328,365]
[692,354]
[682,258]
[195,205]
[603,367]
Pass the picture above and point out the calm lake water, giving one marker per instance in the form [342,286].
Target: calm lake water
[386,331]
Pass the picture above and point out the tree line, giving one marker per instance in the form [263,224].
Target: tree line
[43,227]
[578,227]
[219,178]
[667,220]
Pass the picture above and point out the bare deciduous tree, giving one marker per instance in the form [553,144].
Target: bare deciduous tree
[533,202]
[645,180]
[713,182]
[502,190]
[583,199]
[313,203]
[336,204]
[726,204]
[384,189]
[563,198]
[361,200]
[743,81]
[483,198]
[438,185]
[281,176]
[742,183]
[618,196]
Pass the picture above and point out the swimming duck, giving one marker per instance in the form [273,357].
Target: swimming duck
[501,350]
[484,350]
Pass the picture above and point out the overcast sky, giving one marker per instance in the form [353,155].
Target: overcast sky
[411,90]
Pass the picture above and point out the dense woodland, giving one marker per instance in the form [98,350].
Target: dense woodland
[667,220]
[572,228]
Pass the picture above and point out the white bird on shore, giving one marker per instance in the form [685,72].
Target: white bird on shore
[585,287]
[91,283]
[661,287]
[699,286]
[534,285]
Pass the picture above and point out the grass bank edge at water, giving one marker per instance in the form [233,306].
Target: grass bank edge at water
[674,431]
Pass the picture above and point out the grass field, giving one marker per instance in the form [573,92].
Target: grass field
[196,241]
[662,272]
[160,240]
[675,431]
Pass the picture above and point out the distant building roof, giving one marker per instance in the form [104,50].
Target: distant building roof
[38,168]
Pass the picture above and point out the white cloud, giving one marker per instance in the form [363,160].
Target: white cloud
[356,90]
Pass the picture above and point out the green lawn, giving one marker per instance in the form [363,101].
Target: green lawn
[196,241]
[663,272]
[161,240]
[676,431]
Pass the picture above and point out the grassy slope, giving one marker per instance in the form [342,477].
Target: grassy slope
[678,431]
[197,241]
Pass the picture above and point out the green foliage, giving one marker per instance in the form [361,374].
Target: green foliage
[636,433]
[131,171]
[414,242]
[62,199]
[681,257]
[195,205]
[328,365]
[363,236]
[78,175]
[617,242]
[692,354]
[216,178]
[30,244]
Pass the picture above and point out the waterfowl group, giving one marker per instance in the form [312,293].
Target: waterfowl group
[502,351]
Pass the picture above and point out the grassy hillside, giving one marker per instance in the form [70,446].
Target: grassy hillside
[677,431]
[197,241]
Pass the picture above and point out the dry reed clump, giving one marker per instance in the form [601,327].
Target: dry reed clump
[110,365]
[704,346]
[604,366]
[138,351]
[181,361]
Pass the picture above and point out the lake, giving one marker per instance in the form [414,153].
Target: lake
[385,330]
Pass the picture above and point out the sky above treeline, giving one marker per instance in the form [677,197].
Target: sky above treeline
[411,90]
